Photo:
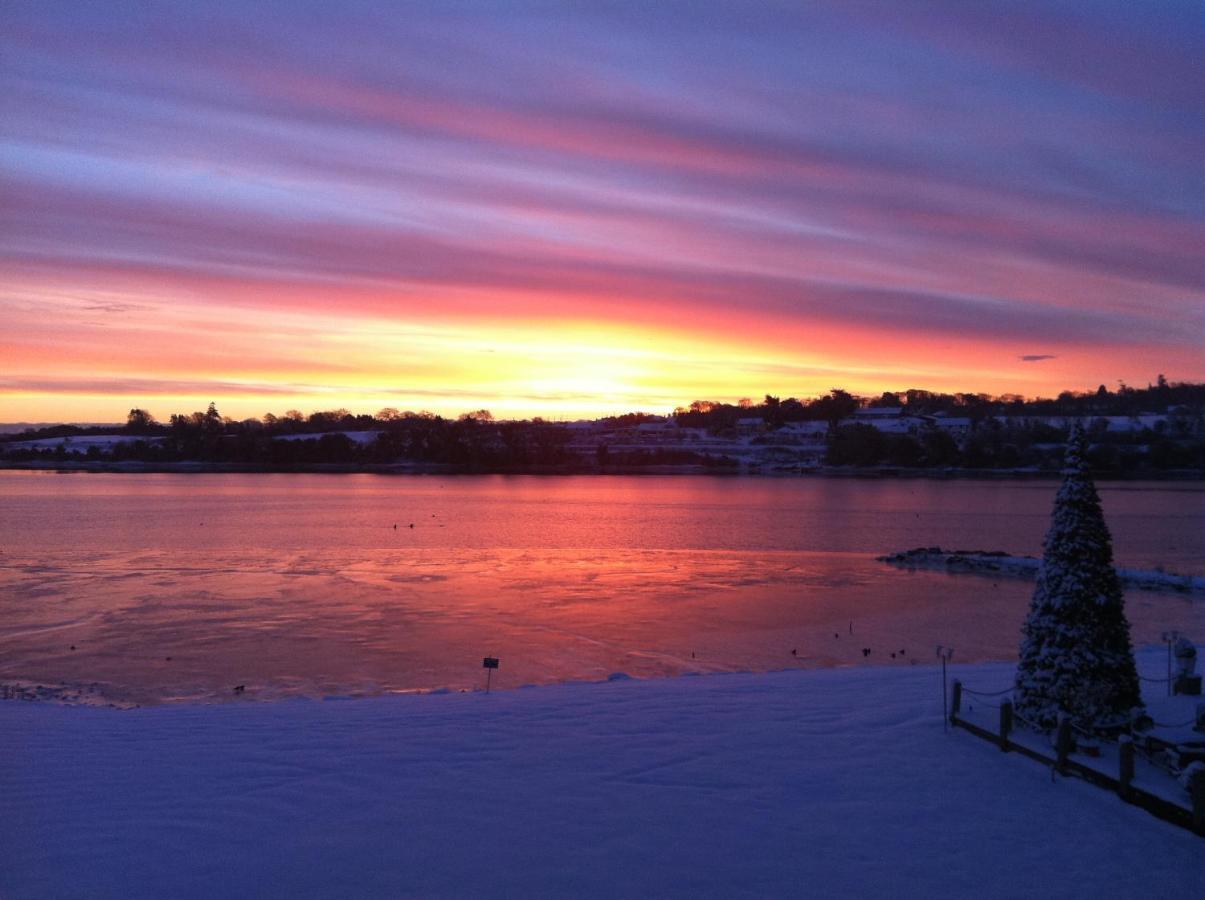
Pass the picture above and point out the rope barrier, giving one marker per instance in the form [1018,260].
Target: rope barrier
[1020,719]
[1177,725]
[1084,731]
[1161,764]
[1156,680]
[1032,726]
[1007,690]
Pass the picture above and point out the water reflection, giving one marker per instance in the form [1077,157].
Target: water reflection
[184,586]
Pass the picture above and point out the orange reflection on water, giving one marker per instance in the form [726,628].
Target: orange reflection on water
[169,586]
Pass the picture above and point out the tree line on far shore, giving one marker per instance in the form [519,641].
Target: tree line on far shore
[837,405]
[1005,432]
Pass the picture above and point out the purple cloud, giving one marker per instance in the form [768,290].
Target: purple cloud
[960,169]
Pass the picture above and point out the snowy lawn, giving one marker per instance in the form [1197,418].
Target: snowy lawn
[809,783]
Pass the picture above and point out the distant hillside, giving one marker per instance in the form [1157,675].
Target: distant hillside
[19,427]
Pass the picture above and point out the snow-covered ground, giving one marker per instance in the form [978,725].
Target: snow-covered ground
[356,437]
[103,442]
[106,442]
[823,783]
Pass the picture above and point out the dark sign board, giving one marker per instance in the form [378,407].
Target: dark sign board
[490,662]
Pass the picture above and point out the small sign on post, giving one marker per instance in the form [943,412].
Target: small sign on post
[489,664]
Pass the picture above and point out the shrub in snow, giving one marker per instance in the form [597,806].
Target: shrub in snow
[1076,655]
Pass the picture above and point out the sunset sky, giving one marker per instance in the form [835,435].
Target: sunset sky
[569,209]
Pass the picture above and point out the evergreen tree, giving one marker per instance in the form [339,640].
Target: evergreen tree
[1076,655]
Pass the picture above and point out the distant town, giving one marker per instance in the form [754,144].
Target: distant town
[1157,430]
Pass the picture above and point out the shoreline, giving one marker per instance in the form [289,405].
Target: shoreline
[91,695]
[878,473]
[23,692]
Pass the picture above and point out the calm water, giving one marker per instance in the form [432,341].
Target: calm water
[182,586]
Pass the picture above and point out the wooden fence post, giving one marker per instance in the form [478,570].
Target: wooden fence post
[1063,742]
[1006,723]
[1125,775]
[1196,790]
[955,701]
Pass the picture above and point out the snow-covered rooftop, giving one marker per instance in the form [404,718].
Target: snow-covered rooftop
[872,412]
[356,437]
[103,442]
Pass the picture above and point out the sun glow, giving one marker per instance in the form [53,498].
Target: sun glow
[326,227]
[253,356]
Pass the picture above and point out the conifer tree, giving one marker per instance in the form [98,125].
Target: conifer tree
[1076,655]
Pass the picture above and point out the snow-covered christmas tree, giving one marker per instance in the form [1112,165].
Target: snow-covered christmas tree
[1076,655]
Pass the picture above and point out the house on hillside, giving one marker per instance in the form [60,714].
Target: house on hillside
[888,420]
[958,427]
[808,435]
[869,415]
[799,433]
[750,426]
[1130,424]
[899,424]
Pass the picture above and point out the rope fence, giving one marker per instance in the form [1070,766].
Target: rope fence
[1063,749]
[972,693]
[1032,726]
[1007,690]
[1158,759]
[1177,725]
[1084,731]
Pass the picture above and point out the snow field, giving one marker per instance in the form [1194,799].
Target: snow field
[822,783]
[104,442]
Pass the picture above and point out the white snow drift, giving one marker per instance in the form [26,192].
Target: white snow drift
[820,783]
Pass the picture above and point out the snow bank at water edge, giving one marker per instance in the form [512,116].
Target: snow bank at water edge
[835,783]
[982,562]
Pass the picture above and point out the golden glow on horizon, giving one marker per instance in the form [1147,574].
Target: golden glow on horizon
[419,213]
[92,354]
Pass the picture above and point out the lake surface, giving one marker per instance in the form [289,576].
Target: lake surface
[182,586]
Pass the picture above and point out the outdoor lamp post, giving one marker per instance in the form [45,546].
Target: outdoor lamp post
[944,654]
[1170,638]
